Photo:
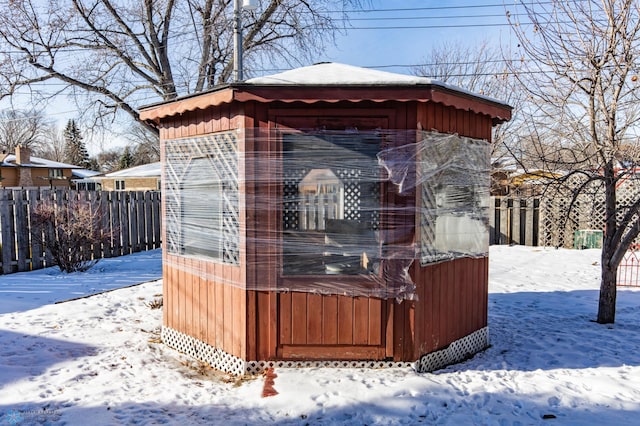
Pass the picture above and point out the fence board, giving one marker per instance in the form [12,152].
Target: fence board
[123,198]
[155,210]
[133,221]
[37,251]
[23,250]
[140,232]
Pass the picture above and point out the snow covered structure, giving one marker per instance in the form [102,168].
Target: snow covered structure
[145,177]
[328,215]
[22,170]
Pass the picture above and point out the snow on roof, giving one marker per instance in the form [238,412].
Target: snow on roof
[145,170]
[84,173]
[331,73]
[10,161]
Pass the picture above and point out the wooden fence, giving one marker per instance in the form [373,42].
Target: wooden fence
[133,218]
[514,221]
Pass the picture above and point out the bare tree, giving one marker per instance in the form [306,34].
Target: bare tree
[146,145]
[53,145]
[108,160]
[119,54]
[26,128]
[581,60]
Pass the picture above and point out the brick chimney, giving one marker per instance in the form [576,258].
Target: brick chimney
[23,155]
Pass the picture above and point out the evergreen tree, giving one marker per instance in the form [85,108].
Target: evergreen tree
[126,159]
[75,151]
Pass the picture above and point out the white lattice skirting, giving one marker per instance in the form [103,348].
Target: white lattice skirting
[457,351]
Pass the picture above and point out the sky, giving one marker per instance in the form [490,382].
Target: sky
[388,35]
[402,32]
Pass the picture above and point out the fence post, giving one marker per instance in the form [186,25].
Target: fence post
[492,221]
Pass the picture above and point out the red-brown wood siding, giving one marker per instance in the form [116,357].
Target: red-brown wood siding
[195,304]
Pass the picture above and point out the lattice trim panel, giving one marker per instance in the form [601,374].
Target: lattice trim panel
[456,352]
[217,358]
[587,212]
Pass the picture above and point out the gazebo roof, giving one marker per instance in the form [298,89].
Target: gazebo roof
[335,74]
[333,82]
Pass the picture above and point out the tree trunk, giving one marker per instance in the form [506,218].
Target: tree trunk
[607,302]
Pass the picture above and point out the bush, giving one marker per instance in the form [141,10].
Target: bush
[68,233]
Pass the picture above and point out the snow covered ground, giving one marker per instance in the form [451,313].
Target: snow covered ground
[97,360]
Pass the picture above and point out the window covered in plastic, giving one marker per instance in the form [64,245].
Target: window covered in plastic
[201,197]
[331,203]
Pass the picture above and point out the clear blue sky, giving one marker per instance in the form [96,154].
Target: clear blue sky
[406,34]
[390,32]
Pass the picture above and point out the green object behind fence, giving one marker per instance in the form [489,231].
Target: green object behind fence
[587,239]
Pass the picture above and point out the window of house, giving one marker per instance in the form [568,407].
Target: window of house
[87,186]
[120,185]
[331,203]
[56,173]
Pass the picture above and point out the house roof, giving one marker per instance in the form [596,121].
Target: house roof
[84,173]
[145,170]
[36,162]
[332,82]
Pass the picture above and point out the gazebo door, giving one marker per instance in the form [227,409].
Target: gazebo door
[332,234]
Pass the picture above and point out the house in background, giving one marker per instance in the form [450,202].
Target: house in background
[21,170]
[82,180]
[140,178]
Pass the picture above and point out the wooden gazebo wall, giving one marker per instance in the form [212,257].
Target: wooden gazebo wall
[452,296]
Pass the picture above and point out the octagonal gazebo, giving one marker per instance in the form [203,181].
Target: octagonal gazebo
[327,215]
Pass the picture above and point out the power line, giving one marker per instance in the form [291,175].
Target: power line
[413,9]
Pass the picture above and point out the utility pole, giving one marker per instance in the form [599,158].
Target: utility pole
[237,35]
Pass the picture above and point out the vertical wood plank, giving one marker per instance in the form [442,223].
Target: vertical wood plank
[239,322]
[211,305]
[528,225]
[37,254]
[194,305]
[298,318]
[345,320]
[436,306]
[360,320]
[167,299]
[141,239]
[450,304]
[314,319]
[375,321]
[132,197]
[125,222]
[219,310]
[330,320]
[24,254]
[285,318]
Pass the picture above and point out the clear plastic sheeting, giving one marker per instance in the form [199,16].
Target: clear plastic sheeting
[452,174]
[325,211]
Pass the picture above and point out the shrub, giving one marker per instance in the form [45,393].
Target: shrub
[68,232]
